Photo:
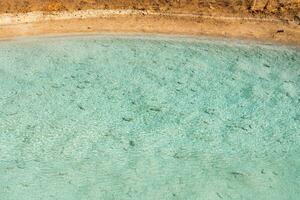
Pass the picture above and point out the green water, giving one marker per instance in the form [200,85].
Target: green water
[148,118]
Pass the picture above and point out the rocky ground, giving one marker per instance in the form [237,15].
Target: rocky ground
[286,9]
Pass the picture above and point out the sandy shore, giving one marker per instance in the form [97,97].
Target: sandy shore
[134,21]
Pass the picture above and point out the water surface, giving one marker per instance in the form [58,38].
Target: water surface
[148,118]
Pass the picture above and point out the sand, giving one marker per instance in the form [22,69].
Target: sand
[134,21]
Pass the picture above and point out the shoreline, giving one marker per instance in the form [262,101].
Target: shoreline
[263,30]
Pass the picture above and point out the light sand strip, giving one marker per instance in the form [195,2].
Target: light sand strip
[31,17]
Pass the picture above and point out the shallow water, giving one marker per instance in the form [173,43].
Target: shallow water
[148,118]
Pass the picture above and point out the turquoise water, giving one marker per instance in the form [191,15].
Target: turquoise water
[148,118]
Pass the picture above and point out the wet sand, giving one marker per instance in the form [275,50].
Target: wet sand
[134,21]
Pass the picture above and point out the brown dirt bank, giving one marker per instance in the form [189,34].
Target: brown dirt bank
[283,9]
[264,20]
